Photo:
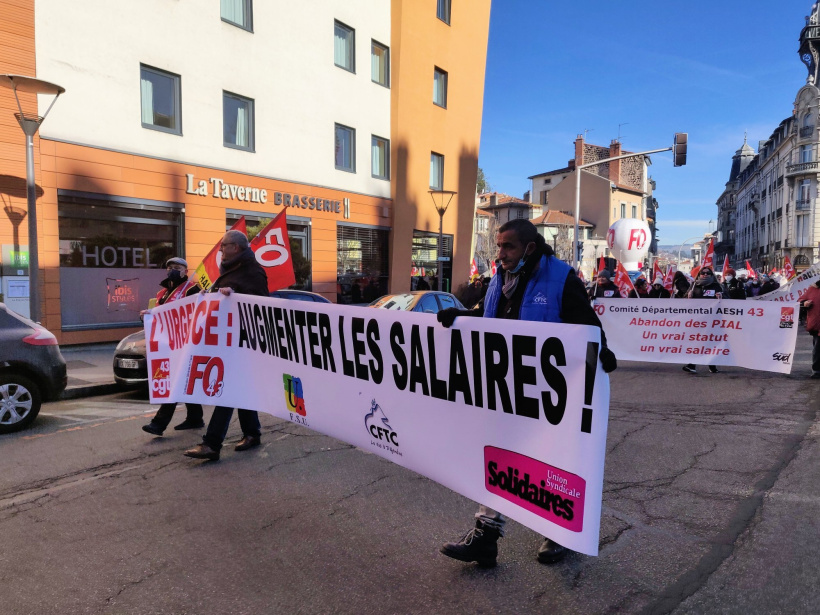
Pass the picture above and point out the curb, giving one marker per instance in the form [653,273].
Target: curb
[90,390]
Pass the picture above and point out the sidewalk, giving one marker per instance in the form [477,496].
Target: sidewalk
[90,370]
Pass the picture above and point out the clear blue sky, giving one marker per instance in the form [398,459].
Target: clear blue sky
[711,68]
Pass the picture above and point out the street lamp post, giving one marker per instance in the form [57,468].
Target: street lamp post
[680,247]
[30,123]
[444,198]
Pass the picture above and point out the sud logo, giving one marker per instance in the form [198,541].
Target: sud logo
[161,377]
[382,434]
[294,397]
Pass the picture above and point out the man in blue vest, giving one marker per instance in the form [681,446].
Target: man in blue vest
[531,284]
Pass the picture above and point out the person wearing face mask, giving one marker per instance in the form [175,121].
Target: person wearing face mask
[530,284]
[658,290]
[753,288]
[768,285]
[175,286]
[705,287]
[732,287]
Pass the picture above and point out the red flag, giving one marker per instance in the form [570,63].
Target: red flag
[709,259]
[622,280]
[693,275]
[581,276]
[493,269]
[601,264]
[773,271]
[272,250]
[656,271]
[473,268]
[788,270]
[208,269]
[752,272]
[726,266]
[669,277]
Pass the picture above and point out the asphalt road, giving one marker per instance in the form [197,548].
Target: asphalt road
[710,506]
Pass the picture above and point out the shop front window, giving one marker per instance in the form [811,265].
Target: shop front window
[424,269]
[362,263]
[112,256]
[298,237]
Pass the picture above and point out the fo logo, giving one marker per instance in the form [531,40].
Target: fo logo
[210,371]
[161,377]
[786,317]
[294,397]
[377,426]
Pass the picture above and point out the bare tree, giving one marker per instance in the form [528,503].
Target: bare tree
[562,241]
[485,249]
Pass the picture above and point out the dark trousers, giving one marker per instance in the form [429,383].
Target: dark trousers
[221,418]
[166,412]
[815,354]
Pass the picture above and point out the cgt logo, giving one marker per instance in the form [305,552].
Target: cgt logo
[379,428]
[786,317]
[209,370]
[294,397]
[161,377]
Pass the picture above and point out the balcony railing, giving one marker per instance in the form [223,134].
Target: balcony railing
[802,205]
[806,131]
[802,167]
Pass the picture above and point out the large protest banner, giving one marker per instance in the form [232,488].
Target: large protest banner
[756,335]
[511,414]
[793,290]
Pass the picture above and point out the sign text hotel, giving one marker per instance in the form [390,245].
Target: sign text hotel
[223,190]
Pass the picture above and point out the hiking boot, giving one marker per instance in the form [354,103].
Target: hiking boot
[551,552]
[478,545]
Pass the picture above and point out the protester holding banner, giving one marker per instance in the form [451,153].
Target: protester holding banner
[239,272]
[705,287]
[658,291]
[605,287]
[732,288]
[175,286]
[641,290]
[532,285]
[811,301]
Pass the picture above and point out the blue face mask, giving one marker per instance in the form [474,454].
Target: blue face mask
[521,263]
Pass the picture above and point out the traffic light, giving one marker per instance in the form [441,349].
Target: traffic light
[679,149]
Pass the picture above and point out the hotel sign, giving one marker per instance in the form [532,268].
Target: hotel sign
[220,189]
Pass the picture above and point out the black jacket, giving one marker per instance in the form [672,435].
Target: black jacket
[702,292]
[602,289]
[659,293]
[242,275]
[734,290]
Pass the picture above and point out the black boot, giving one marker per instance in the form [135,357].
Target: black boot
[478,545]
[551,552]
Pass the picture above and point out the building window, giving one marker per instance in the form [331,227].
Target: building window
[345,148]
[548,180]
[543,199]
[440,87]
[519,213]
[238,13]
[362,263]
[623,210]
[443,10]
[237,122]
[344,46]
[436,171]
[806,153]
[112,256]
[425,263]
[160,100]
[634,211]
[380,64]
[380,152]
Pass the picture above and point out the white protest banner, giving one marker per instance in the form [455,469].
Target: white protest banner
[794,289]
[701,331]
[510,414]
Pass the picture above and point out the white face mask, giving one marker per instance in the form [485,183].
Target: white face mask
[729,278]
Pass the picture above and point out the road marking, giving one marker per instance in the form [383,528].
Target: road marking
[81,427]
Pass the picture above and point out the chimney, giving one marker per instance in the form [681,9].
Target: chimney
[579,150]
[527,196]
[615,165]
[493,199]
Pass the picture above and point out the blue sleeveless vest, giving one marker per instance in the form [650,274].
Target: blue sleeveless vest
[543,295]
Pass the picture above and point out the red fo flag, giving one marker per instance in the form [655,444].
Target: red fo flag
[622,280]
[208,270]
[669,277]
[788,270]
[709,259]
[752,272]
[272,250]
[473,268]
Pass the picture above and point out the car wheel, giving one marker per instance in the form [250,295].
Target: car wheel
[20,402]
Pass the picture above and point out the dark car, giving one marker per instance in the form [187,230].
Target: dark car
[32,370]
[430,301]
[130,359]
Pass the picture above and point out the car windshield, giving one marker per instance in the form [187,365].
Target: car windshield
[394,302]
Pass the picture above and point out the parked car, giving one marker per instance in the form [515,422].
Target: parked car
[130,358]
[429,301]
[32,370]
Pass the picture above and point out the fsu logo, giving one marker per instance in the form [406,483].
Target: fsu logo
[294,397]
[786,317]
[161,377]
